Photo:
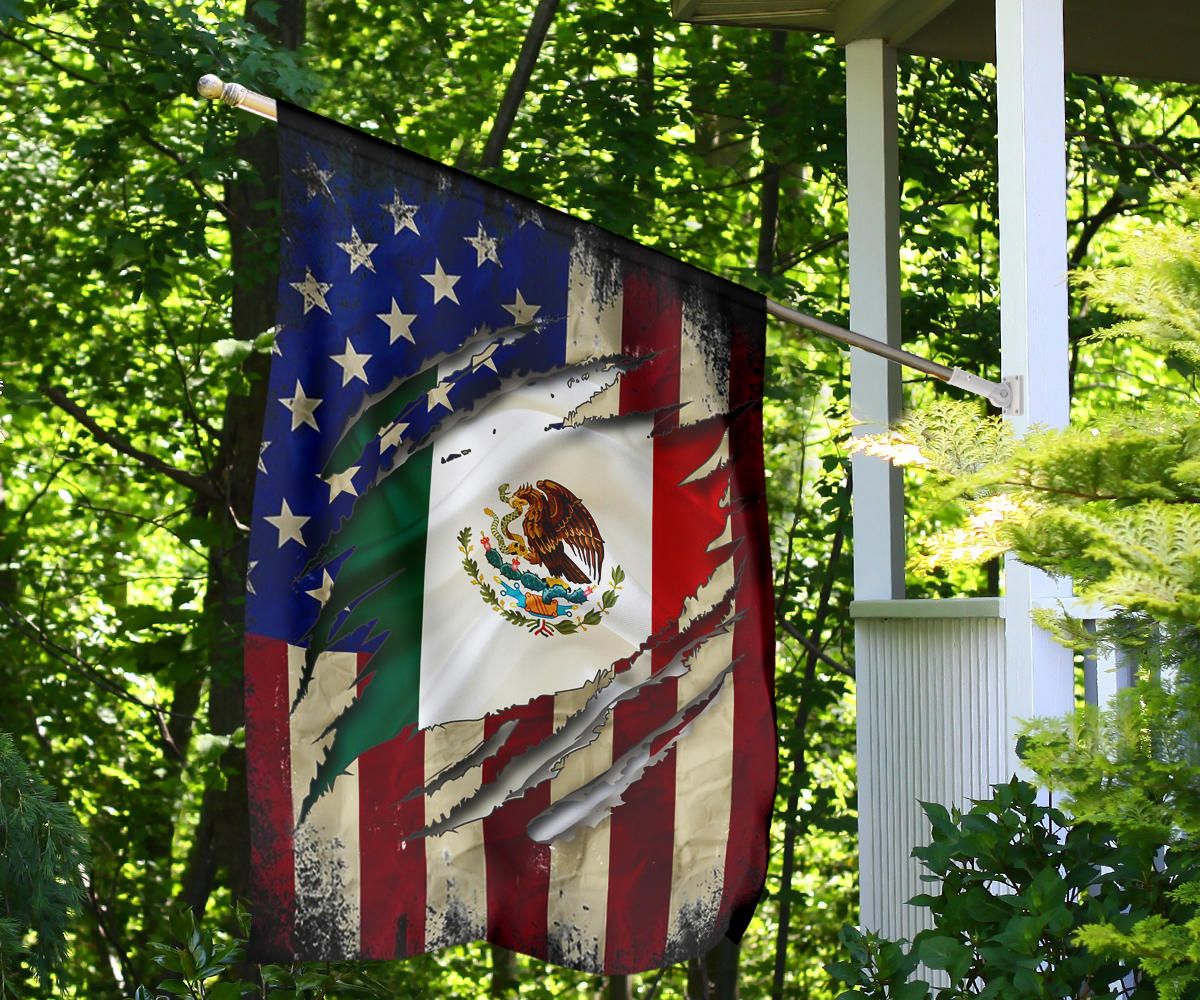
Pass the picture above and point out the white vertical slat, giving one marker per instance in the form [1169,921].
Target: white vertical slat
[1031,108]
[873,188]
[931,705]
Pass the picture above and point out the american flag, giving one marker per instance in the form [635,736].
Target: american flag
[509,639]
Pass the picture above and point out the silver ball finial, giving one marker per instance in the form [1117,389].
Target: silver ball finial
[210,87]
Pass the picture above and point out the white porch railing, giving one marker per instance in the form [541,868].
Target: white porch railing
[933,725]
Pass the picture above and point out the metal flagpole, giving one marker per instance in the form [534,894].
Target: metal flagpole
[1005,394]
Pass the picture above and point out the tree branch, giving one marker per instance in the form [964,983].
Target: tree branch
[799,763]
[518,82]
[1110,209]
[118,443]
[78,665]
[65,70]
[814,649]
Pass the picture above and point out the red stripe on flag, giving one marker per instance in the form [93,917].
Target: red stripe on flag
[650,325]
[269,780]
[756,758]
[392,869]
[642,827]
[518,869]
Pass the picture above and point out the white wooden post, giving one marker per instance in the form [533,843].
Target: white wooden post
[873,185]
[1033,311]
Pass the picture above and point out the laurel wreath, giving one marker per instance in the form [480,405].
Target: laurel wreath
[592,617]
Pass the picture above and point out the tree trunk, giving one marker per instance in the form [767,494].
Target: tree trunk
[791,821]
[222,836]
[723,970]
[619,988]
[714,975]
[772,172]
[645,52]
[504,972]
[510,104]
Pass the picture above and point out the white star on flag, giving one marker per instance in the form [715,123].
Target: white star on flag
[315,179]
[390,436]
[484,358]
[342,482]
[302,407]
[250,569]
[522,311]
[360,252]
[288,525]
[399,324]
[325,591]
[261,451]
[353,364]
[486,247]
[439,395]
[401,213]
[530,215]
[313,291]
[443,283]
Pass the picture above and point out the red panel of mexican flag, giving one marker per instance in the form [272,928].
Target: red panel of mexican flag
[509,631]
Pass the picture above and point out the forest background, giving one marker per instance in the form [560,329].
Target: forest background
[136,276]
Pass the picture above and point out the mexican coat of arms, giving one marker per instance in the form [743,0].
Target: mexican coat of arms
[546,576]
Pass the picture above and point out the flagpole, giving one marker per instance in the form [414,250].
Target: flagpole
[213,88]
[1005,395]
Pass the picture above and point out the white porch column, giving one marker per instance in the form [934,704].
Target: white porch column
[873,185]
[1033,310]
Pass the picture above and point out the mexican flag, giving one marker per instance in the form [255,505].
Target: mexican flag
[509,632]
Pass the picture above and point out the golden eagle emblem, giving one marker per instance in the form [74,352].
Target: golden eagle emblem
[557,533]
[556,519]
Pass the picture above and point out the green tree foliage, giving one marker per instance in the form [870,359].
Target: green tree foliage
[136,294]
[42,853]
[1111,502]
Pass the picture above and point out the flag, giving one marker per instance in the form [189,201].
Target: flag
[509,628]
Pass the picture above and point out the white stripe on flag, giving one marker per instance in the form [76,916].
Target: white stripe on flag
[704,754]
[326,845]
[704,769]
[455,869]
[595,303]
[578,903]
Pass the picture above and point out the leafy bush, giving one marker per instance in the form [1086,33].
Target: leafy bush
[1016,883]
[202,966]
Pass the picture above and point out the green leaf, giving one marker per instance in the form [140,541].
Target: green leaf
[943,951]
[227,991]
[268,10]
[938,816]
[233,351]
